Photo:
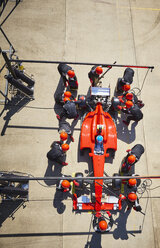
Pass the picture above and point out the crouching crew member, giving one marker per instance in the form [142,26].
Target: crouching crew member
[133,111]
[94,75]
[132,158]
[100,224]
[68,75]
[69,110]
[132,185]
[64,185]
[132,201]
[58,152]
[64,126]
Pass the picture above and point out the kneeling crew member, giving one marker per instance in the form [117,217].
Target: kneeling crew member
[100,224]
[133,201]
[132,185]
[69,110]
[133,112]
[64,186]
[132,157]
[58,152]
[64,126]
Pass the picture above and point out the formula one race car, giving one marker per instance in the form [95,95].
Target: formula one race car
[98,133]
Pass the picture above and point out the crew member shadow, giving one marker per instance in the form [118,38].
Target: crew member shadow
[14,106]
[50,172]
[95,241]
[120,231]
[73,124]
[123,132]
[58,95]
[59,196]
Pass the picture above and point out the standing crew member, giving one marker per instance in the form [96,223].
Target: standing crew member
[94,75]
[68,75]
[133,111]
[132,157]
[64,126]
[100,224]
[72,80]
[58,152]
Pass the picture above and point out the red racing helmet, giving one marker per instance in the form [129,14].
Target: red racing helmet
[99,70]
[70,73]
[103,225]
[132,197]
[67,94]
[65,147]
[129,96]
[82,98]
[131,159]
[132,182]
[63,135]
[129,104]
[66,99]
[65,184]
[126,87]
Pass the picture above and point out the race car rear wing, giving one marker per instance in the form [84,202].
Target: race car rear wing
[83,204]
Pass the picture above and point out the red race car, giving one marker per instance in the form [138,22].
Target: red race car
[98,133]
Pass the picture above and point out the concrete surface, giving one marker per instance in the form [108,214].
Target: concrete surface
[82,31]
